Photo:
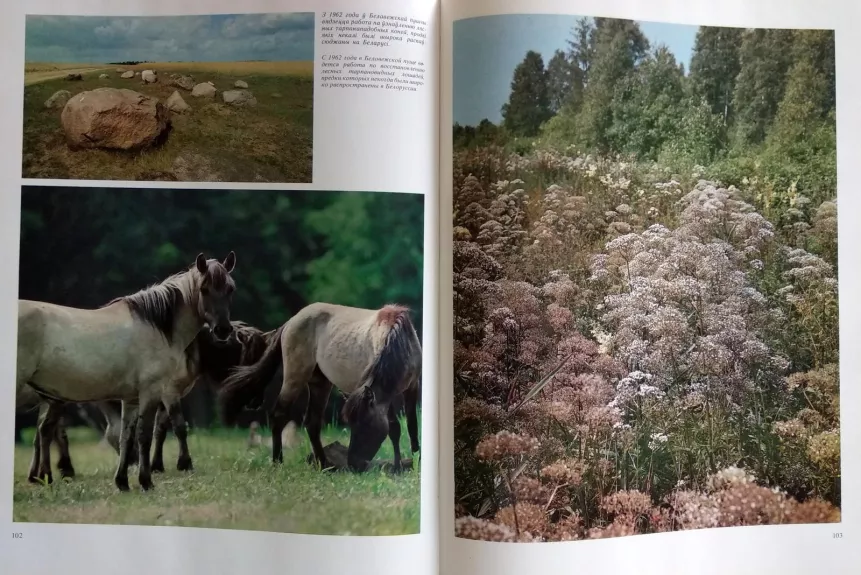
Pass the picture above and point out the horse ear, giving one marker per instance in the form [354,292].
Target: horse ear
[230,262]
[200,262]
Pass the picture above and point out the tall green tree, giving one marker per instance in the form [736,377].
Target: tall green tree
[817,47]
[647,106]
[617,47]
[801,145]
[715,64]
[528,104]
[581,47]
[564,83]
[765,57]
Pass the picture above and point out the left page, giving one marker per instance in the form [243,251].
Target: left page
[219,226]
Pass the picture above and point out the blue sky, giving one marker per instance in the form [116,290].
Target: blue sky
[214,38]
[487,49]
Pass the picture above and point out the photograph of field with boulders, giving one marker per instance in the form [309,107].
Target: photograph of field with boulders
[215,98]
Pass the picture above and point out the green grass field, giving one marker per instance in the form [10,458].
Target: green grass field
[232,487]
[271,142]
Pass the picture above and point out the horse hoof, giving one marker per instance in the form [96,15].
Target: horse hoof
[33,479]
[157,467]
[146,484]
[66,471]
[45,478]
[184,464]
[122,483]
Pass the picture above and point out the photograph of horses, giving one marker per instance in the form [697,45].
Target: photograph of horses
[645,278]
[207,98]
[276,335]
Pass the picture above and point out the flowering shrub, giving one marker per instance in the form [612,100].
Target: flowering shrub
[638,351]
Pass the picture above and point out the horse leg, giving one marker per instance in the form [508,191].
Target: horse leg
[46,437]
[126,442]
[145,424]
[319,390]
[113,426]
[411,399]
[33,474]
[162,422]
[180,430]
[282,414]
[64,463]
[395,436]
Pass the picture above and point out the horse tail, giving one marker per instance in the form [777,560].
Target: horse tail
[246,382]
[398,360]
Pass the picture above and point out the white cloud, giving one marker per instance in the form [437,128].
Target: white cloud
[189,38]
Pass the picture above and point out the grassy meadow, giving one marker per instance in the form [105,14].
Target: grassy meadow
[271,142]
[233,486]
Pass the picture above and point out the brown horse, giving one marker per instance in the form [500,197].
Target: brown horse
[133,350]
[210,362]
[373,356]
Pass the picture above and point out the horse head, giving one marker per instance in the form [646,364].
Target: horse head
[369,426]
[216,289]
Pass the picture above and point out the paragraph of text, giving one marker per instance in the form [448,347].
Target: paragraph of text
[341,67]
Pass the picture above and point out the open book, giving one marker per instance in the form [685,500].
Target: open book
[430,287]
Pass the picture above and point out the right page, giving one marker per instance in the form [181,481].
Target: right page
[646,281]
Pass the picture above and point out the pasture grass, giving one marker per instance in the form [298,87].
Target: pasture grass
[233,486]
[271,142]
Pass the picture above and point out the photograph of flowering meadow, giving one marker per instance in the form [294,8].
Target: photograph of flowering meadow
[645,278]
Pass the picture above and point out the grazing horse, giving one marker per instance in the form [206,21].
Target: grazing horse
[132,349]
[373,356]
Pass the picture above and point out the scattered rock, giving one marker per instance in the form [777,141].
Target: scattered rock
[149,77]
[336,454]
[102,76]
[276,95]
[137,73]
[121,71]
[239,98]
[210,83]
[180,81]
[206,90]
[58,99]
[112,118]
[74,77]
[240,84]
[176,104]
[129,74]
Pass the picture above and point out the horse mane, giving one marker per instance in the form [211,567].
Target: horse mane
[390,314]
[399,357]
[159,304]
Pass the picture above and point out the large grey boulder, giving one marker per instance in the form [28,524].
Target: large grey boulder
[113,118]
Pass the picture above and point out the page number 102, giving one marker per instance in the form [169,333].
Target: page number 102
[17,535]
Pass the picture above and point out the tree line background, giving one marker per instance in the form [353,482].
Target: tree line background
[755,102]
[82,247]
